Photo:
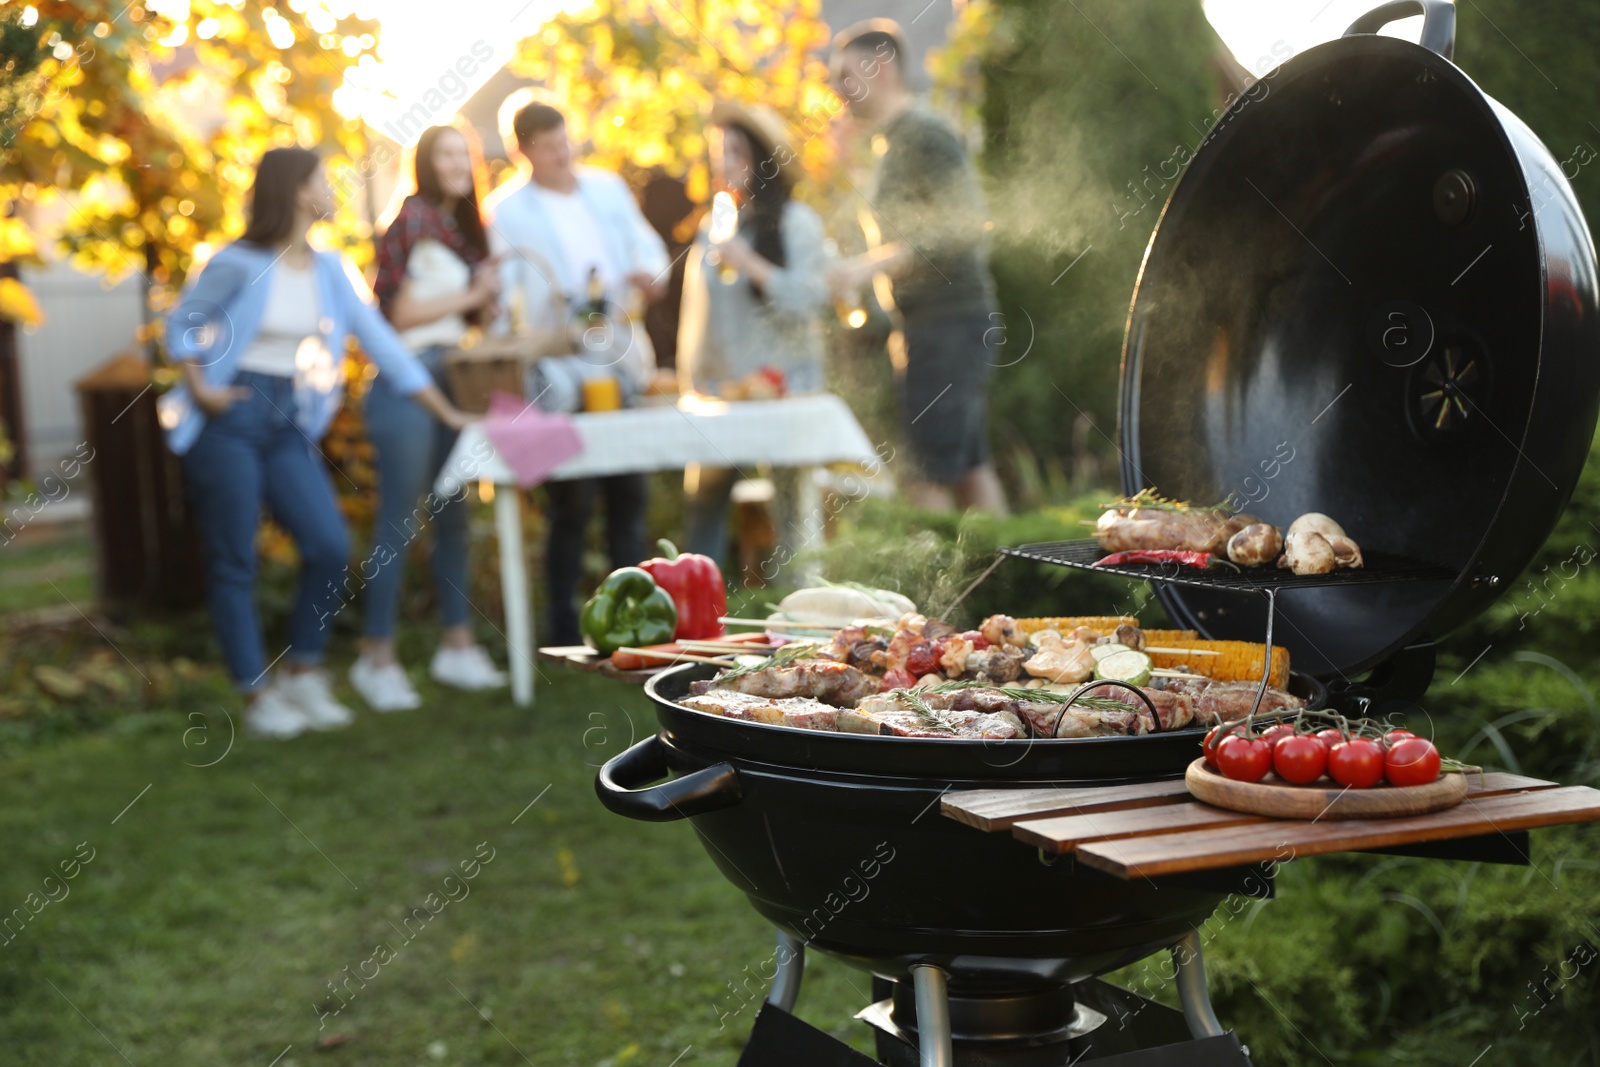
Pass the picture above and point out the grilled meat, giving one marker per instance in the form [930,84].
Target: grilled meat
[1127,529]
[1175,708]
[802,713]
[891,715]
[1043,718]
[820,679]
[1215,702]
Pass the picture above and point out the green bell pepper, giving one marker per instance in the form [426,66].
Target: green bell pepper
[628,610]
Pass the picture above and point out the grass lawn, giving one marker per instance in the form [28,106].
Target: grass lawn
[42,571]
[218,907]
[238,903]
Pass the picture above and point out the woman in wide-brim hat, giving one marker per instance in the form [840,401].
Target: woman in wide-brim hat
[752,303]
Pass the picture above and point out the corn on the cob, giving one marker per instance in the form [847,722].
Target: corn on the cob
[1161,638]
[1067,623]
[1238,661]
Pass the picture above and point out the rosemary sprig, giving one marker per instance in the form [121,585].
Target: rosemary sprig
[924,711]
[795,650]
[1150,500]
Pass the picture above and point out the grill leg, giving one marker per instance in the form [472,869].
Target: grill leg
[933,1016]
[1192,992]
[791,959]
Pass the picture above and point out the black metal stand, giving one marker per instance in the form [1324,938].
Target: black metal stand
[1102,1023]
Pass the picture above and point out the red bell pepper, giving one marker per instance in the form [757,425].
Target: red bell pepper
[695,584]
[1202,560]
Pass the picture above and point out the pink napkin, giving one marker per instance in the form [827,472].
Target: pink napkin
[532,442]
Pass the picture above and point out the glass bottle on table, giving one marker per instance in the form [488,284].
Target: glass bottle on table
[724,228]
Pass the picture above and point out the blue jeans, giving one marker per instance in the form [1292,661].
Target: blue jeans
[251,454]
[412,446]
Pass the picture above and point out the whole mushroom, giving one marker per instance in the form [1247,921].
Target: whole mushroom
[1346,553]
[1256,544]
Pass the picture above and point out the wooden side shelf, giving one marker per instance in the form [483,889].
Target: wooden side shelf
[1156,828]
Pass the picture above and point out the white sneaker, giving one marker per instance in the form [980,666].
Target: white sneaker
[273,715]
[311,693]
[384,688]
[466,668]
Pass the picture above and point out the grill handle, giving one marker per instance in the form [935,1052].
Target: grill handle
[1438,23]
[623,786]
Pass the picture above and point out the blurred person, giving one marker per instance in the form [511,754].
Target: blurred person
[564,231]
[751,302]
[260,338]
[928,197]
[435,280]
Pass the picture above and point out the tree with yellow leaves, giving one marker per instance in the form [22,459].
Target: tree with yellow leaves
[146,126]
[638,78]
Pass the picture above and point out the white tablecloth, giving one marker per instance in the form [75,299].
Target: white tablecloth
[801,431]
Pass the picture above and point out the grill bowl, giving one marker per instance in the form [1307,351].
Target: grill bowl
[837,839]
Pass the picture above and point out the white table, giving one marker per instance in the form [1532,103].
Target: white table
[802,431]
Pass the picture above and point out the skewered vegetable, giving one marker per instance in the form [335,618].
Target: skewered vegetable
[1125,666]
[1067,623]
[1239,661]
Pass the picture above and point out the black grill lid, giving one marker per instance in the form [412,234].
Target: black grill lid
[1372,294]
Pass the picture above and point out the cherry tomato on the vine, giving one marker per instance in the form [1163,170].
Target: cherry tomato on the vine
[1357,763]
[1244,759]
[1330,737]
[1276,733]
[1300,760]
[1394,737]
[1213,739]
[1411,761]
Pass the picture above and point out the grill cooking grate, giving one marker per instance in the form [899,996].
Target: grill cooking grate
[1379,568]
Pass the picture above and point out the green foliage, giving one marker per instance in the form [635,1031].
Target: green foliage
[1085,103]
[1083,149]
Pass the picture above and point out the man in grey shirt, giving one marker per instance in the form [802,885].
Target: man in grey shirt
[934,252]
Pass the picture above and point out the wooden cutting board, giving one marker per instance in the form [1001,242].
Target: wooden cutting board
[1324,800]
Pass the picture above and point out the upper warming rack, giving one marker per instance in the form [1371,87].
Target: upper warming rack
[1379,568]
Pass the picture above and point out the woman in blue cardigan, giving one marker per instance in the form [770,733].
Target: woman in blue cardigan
[260,339]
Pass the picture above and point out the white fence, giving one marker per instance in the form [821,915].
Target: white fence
[85,324]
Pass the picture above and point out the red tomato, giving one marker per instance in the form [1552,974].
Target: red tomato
[979,642]
[1244,759]
[1330,737]
[1300,760]
[923,658]
[897,678]
[1276,733]
[1412,761]
[1213,741]
[1357,763]
[1396,736]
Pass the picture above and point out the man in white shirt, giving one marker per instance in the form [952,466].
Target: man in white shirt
[563,230]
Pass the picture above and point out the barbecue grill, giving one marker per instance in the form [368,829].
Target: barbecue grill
[1368,265]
